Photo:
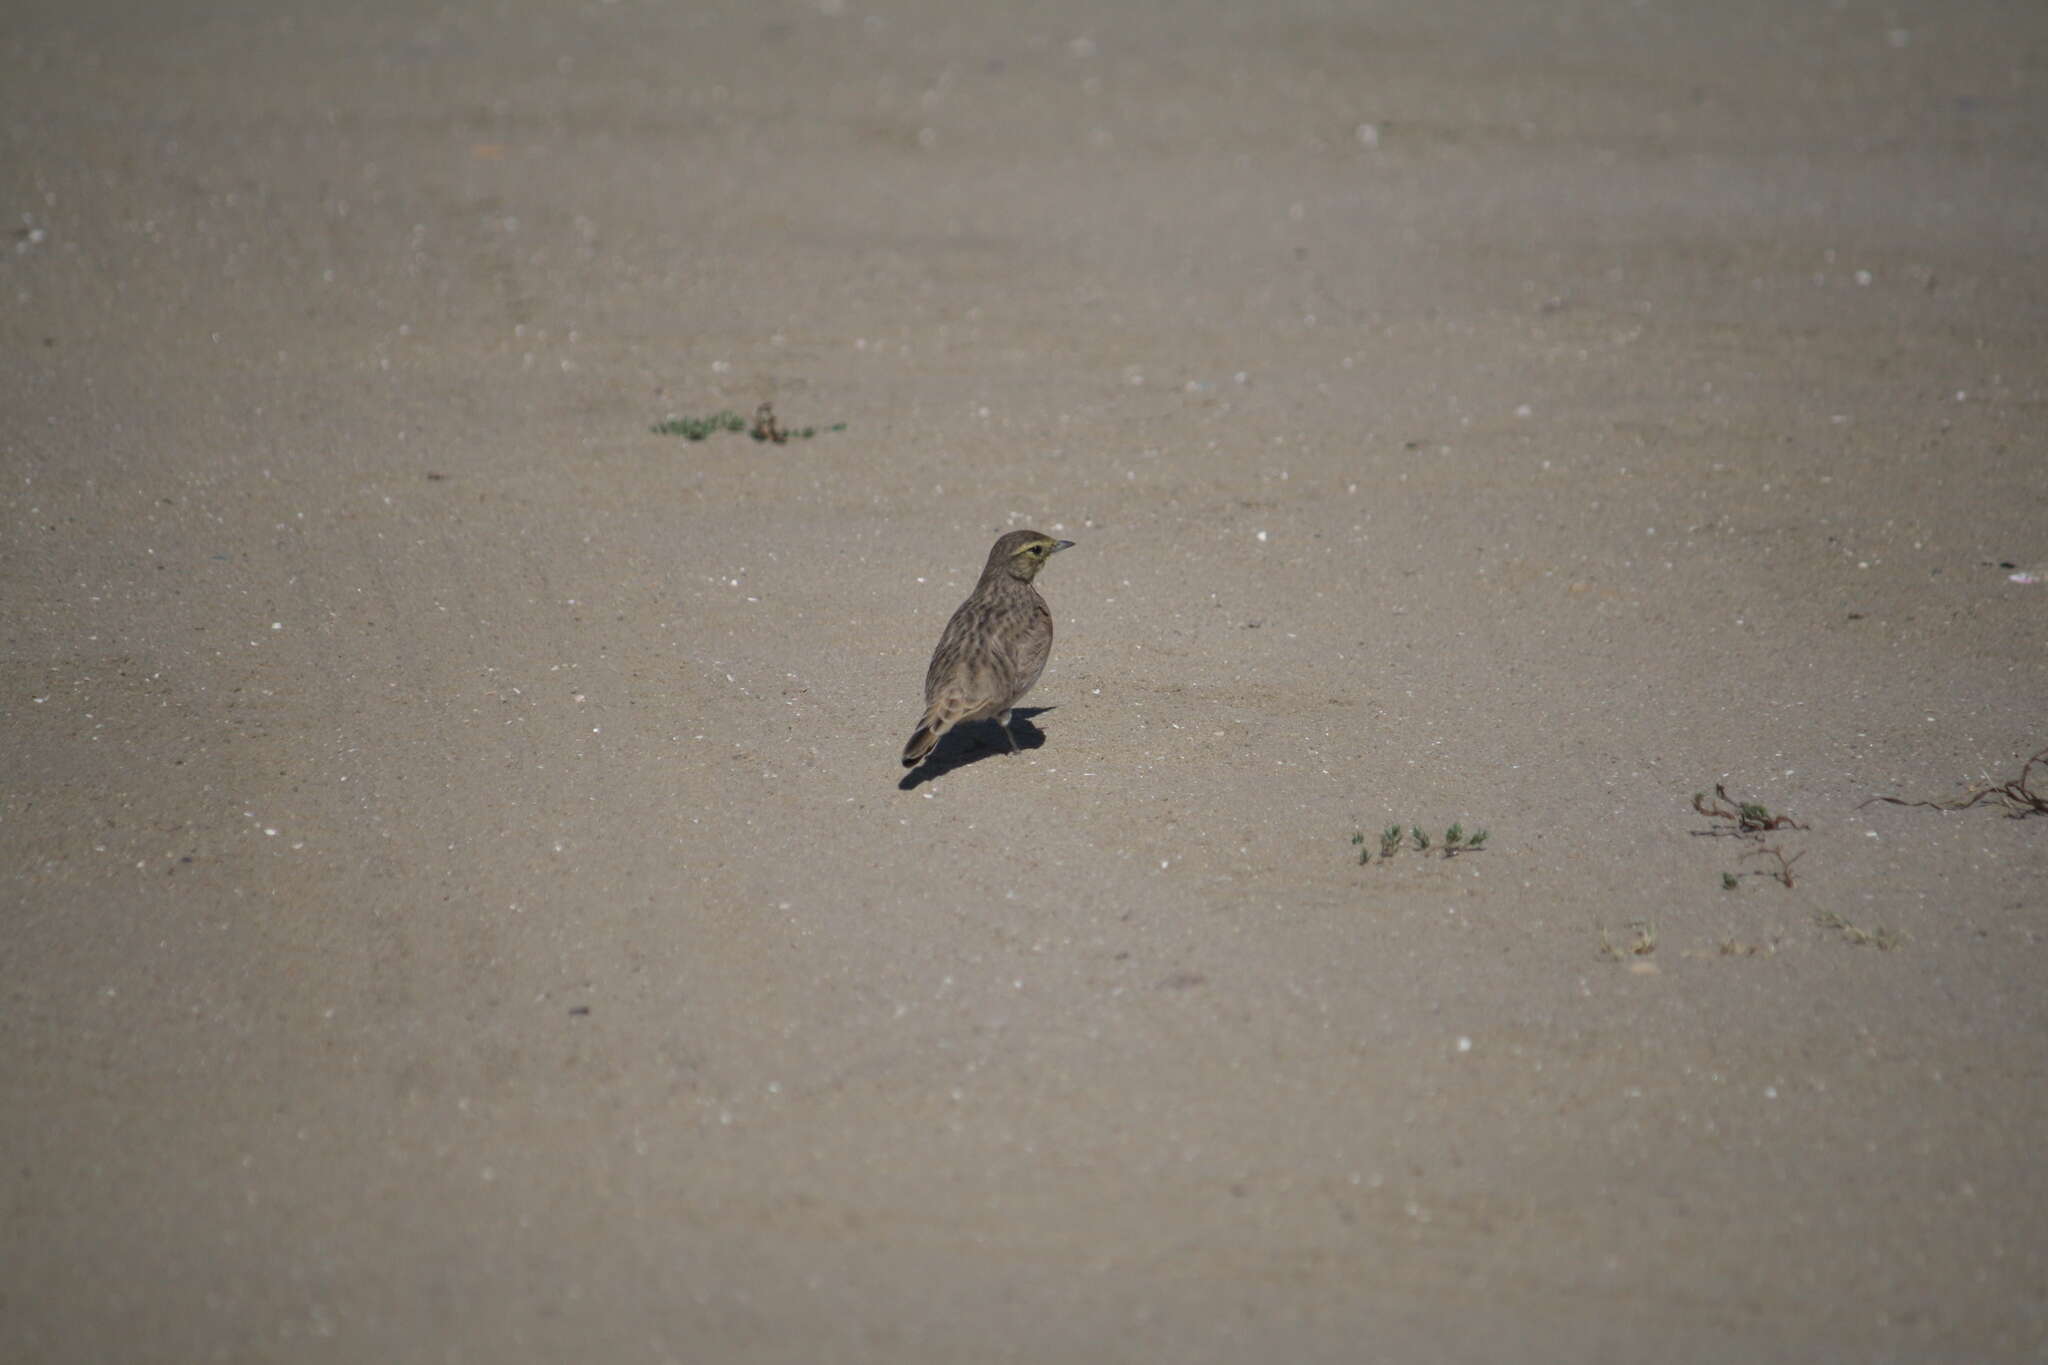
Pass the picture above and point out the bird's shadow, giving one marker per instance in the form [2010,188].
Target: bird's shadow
[973,743]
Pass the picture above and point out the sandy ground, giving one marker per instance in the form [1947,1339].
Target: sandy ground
[461,902]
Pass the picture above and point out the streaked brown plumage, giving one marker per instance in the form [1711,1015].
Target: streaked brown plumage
[994,648]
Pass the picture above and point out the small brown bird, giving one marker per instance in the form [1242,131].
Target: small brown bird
[994,648]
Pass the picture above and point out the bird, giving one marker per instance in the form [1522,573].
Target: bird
[993,649]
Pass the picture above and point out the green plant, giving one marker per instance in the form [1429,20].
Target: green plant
[1455,841]
[698,428]
[1749,817]
[764,427]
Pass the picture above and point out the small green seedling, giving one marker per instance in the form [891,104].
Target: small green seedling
[698,428]
[1455,841]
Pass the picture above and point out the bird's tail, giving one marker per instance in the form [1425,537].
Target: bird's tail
[924,738]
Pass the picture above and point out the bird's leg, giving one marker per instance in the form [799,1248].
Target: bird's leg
[1004,721]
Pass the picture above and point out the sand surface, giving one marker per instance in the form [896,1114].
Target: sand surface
[460,899]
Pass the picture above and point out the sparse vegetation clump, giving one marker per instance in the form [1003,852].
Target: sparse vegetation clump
[1641,942]
[698,428]
[1750,820]
[763,428]
[1391,841]
[1748,817]
[1880,938]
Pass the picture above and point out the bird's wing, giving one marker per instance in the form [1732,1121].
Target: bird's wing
[969,675]
[1033,649]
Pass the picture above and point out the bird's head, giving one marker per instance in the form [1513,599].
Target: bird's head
[1021,554]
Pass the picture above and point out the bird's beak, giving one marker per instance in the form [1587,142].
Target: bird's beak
[1059,545]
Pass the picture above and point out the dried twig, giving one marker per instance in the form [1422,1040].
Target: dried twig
[1784,872]
[2017,796]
